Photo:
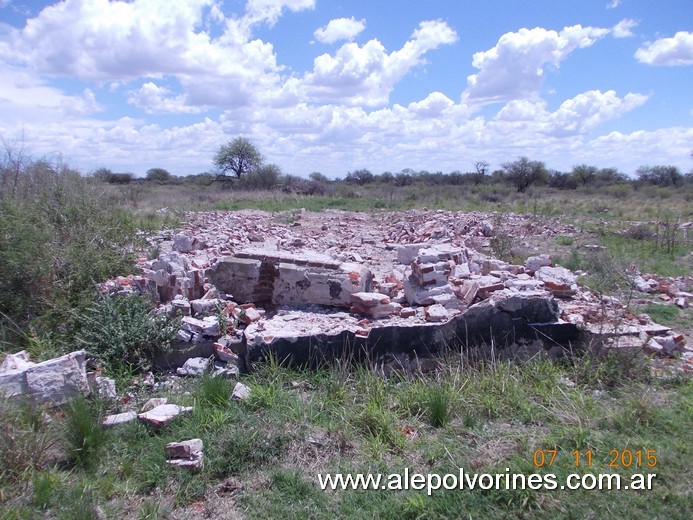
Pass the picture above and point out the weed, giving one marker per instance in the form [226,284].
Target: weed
[213,391]
[438,405]
[84,431]
[124,332]
[563,240]
[25,440]
[44,484]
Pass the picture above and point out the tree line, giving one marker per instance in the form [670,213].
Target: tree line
[239,164]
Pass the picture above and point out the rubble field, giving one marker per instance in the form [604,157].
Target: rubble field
[307,286]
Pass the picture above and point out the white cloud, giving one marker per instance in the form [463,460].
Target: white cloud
[623,29]
[270,10]
[154,99]
[367,74]
[590,109]
[515,67]
[661,146]
[575,116]
[24,97]
[613,4]
[677,50]
[340,29]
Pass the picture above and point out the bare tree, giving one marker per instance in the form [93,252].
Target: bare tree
[481,168]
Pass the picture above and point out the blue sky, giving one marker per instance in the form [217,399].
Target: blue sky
[335,86]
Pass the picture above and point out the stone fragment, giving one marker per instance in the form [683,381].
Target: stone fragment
[182,306]
[105,387]
[467,292]
[55,381]
[185,454]
[184,450]
[369,299]
[120,418]
[184,243]
[194,367]
[406,253]
[681,302]
[407,312]
[160,416]
[436,313]
[558,280]
[240,392]
[250,315]
[206,305]
[208,326]
[534,263]
[225,353]
[18,361]
[640,284]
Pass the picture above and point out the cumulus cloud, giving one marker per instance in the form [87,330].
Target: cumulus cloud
[575,116]
[623,29]
[24,97]
[677,50]
[340,29]
[516,66]
[367,74]
[590,109]
[154,99]
[270,10]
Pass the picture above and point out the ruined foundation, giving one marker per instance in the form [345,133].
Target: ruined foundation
[338,284]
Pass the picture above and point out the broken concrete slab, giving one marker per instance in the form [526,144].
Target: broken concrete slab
[284,279]
[161,415]
[117,419]
[55,381]
[314,337]
[558,280]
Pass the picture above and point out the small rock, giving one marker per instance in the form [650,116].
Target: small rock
[119,418]
[240,392]
[534,263]
[185,454]
[162,415]
[436,313]
[194,367]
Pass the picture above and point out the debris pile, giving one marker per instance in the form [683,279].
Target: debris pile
[408,280]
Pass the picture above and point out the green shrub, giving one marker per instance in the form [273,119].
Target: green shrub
[60,235]
[124,332]
[84,432]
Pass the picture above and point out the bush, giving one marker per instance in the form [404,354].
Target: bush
[124,332]
[59,235]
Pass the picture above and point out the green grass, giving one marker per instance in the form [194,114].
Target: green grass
[483,418]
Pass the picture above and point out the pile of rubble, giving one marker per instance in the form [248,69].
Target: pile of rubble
[303,284]
[309,286]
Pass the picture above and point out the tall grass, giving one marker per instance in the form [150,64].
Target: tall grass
[59,234]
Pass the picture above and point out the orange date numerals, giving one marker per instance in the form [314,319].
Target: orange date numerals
[582,458]
[543,458]
[629,458]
